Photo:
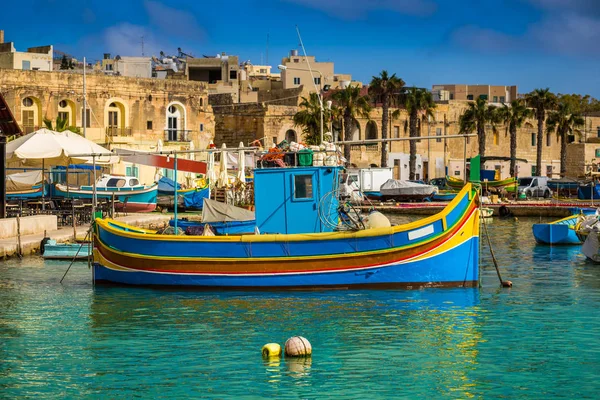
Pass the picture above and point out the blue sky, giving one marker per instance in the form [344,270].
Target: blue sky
[530,43]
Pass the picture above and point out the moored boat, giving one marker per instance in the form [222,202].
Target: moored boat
[129,194]
[300,250]
[66,251]
[25,185]
[406,190]
[458,183]
[557,232]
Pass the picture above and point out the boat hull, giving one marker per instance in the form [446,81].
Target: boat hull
[438,251]
[33,193]
[558,232]
[136,200]
[67,251]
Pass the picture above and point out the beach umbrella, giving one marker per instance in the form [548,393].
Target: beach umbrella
[210,169]
[50,148]
[223,176]
[159,173]
[241,175]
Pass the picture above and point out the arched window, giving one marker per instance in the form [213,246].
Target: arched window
[175,129]
[31,114]
[66,111]
[371,130]
[115,123]
[290,136]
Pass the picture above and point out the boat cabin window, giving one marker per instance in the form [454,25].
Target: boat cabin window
[352,179]
[133,182]
[303,187]
[115,182]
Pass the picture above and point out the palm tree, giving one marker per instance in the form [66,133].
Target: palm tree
[540,100]
[353,105]
[60,126]
[565,122]
[475,117]
[514,116]
[418,103]
[385,87]
[309,118]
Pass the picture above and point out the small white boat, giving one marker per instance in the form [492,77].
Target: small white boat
[486,212]
[406,190]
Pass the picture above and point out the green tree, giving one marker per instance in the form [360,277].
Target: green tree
[309,119]
[419,104]
[64,63]
[565,122]
[61,125]
[477,115]
[541,100]
[352,105]
[513,117]
[384,87]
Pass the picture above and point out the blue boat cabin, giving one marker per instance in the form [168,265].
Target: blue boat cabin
[287,199]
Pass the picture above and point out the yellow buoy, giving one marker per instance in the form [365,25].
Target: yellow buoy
[271,350]
[297,346]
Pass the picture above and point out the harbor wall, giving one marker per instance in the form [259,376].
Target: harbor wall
[30,225]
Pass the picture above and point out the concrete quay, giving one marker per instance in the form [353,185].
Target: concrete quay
[30,244]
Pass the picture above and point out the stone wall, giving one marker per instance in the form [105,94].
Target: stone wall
[142,105]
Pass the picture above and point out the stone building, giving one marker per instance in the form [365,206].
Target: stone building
[295,72]
[491,93]
[123,112]
[270,119]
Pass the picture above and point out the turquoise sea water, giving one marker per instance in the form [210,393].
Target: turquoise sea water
[540,339]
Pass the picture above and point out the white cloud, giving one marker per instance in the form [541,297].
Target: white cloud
[172,21]
[126,40]
[358,9]
[567,31]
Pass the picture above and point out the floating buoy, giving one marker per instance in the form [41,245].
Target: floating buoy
[271,350]
[297,346]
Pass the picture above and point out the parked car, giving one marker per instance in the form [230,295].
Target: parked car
[535,186]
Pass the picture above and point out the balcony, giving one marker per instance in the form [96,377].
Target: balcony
[118,131]
[176,135]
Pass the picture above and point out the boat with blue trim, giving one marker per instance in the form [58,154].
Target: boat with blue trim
[297,246]
[557,232]
[26,185]
[129,194]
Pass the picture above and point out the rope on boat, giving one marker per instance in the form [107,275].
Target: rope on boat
[78,250]
[487,235]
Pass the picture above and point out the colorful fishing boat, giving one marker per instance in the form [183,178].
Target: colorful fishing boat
[504,183]
[297,246]
[557,232]
[223,219]
[36,192]
[191,198]
[127,192]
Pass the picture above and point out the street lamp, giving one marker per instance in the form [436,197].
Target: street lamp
[318,89]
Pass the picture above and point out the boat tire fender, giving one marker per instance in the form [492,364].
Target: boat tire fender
[43,244]
[505,212]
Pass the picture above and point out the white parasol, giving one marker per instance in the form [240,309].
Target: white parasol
[223,176]
[56,148]
[210,168]
[241,175]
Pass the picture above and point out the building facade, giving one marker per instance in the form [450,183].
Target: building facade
[295,72]
[123,112]
[135,67]
[493,94]
[34,59]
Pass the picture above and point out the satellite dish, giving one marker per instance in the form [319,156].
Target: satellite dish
[117,57]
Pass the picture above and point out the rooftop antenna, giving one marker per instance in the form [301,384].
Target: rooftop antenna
[142,46]
[267,58]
